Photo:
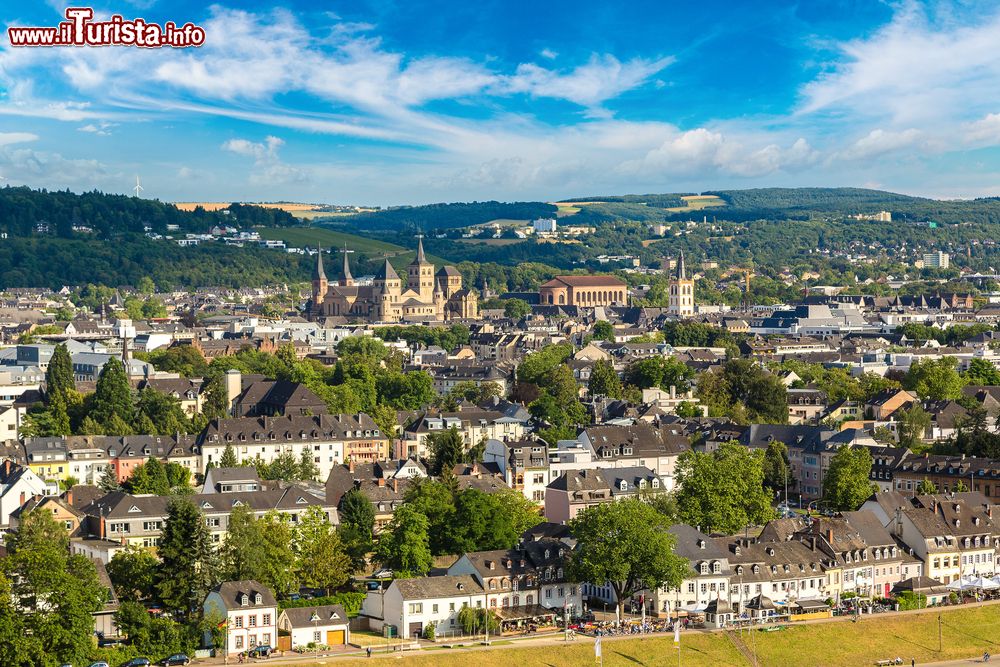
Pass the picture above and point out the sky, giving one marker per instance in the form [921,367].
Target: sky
[384,102]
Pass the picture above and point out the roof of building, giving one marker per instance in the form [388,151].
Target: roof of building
[232,592]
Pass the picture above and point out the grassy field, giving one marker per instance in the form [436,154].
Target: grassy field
[697,203]
[496,242]
[301,237]
[965,633]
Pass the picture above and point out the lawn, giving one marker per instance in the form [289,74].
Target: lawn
[965,633]
[697,203]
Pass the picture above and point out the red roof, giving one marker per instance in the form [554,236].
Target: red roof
[585,281]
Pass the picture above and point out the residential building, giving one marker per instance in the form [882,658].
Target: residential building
[250,612]
[325,625]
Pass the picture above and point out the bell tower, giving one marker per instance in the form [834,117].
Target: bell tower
[681,292]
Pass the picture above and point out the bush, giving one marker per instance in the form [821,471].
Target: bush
[430,630]
[350,600]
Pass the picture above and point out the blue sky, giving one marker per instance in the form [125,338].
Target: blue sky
[389,102]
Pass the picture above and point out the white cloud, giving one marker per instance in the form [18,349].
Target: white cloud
[548,54]
[879,142]
[268,167]
[8,138]
[102,128]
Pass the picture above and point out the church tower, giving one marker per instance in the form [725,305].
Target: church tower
[681,292]
[319,282]
[420,274]
[347,280]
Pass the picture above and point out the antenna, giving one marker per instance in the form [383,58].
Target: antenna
[138,186]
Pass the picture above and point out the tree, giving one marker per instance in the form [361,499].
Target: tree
[404,546]
[178,477]
[960,487]
[847,483]
[980,372]
[936,379]
[216,405]
[149,477]
[744,392]
[320,559]
[912,426]
[109,479]
[113,396]
[228,458]
[447,450]
[625,544]
[723,491]
[56,592]
[603,330]
[662,372]
[308,470]
[476,619]
[59,375]
[188,565]
[241,557]
[515,309]
[164,413]
[926,487]
[604,380]
[277,552]
[776,466]
[133,573]
[357,510]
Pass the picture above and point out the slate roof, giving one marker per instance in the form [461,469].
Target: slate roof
[231,592]
[425,588]
[329,614]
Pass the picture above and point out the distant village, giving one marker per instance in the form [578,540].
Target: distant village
[885,376]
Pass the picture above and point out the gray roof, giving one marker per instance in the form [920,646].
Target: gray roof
[232,592]
[329,614]
[452,585]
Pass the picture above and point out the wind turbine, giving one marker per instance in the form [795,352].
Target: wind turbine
[138,187]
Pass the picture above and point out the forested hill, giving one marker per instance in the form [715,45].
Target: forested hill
[446,216]
[847,201]
[26,212]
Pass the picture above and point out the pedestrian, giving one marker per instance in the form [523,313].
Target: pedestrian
[369,651]
[913,662]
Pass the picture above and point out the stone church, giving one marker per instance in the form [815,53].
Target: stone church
[425,296]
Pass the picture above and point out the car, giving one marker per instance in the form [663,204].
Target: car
[176,659]
[262,651]
[99,663]
[109,642]
[137,662]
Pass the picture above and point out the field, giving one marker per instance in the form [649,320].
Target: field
[965,633]
[293,208]
[301,237]
[697,203]
[496,242]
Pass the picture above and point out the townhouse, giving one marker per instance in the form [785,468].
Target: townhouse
[250,613]
[708,577]
[408,606]
[639,445]
[947,472]
[474,423]
[523,465]
[574,491]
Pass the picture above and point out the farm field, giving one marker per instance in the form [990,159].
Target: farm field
[698,202]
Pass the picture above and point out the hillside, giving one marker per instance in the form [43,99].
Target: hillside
[442,216]
[25,212]
[366,249]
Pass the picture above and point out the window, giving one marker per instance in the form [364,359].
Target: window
[238,622]
[434,608]
[416,607]
[266,620]
[716,567]
[252,621]
[239,641]
[704,568]
[690,588]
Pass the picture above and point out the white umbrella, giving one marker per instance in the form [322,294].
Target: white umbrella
[984,583]
[960,584]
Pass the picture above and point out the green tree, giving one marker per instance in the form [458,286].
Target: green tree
[178,477]
[516,308]
[133,573]
[936,379]
[59,379]
[603,330]
[149,477]
[320,558]
[913,425]
[662,372]
[723,491]
[357,510]
[164,413]
[308,470]
[604,380]
[847,483]
[926,487]
[277,552]
[109,479]
[980,372]
[188,563]
[216,404]
[57,593]
[447,450]
[228,458]
[776,466]
[744,392]
[404,546]
[113,396]
[625,544]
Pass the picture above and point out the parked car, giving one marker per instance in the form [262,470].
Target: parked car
[262,651]
[137,662]
[100,663]
[176,659]
[109,642]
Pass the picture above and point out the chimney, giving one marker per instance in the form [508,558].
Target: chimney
[812,543]
[21,504]
[381,481]
[69,496]
[829,535]
[395,485]
[350,464]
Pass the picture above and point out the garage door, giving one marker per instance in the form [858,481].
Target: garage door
[334,637]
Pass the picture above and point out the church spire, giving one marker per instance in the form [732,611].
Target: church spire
[347,279]
[421,258]
[681,274]
[319,274]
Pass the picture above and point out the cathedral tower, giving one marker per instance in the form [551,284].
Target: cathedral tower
[681,292]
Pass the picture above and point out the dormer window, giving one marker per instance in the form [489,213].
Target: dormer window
[739,570]
[623,485]
[244,600]
[716,567]
[547,554]
[257,599]
[642,484]
[756,569]
[703,568]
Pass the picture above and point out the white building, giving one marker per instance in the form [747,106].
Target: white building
[251,614]
[326,625]
[410,605]
[936,260]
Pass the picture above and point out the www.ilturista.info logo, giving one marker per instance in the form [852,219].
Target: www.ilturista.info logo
[79,29]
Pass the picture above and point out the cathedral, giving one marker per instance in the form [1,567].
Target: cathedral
[425,296]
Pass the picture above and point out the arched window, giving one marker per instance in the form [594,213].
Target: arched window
[562,299]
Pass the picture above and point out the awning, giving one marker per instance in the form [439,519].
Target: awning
[695,608]
[524,613]
[811,605]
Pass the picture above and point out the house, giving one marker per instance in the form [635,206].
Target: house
[523,464]
[278,397]
[883,404]
[250,612]
[408,606]
[231,480]
[384,483]
[18,484]
[707,579]
[325,625]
